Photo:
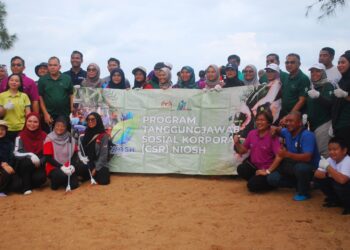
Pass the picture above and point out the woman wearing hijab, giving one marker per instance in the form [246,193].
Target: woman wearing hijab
[341,107]
[250,75]
[3,72]
[29,154]
[6,159]
[212,77]
[140,75]
[92,76]
[319,106]
[164,77]
[93,151]
[59,149]
[187,79]
[232,76]
[117,80]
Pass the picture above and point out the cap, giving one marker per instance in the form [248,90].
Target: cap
[159,65]
[139,68]
[3,123]
[273,66]
[318,66]
[43,64]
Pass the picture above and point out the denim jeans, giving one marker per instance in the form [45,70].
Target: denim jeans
[301,177]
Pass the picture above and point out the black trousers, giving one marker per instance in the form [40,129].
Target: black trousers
[102,176]
[334,191]
[4,180]
[31,176]
[59,179]
[256,183]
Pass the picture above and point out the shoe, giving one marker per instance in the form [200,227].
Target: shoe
[28,192]
[346,211]
[2,194]
[301,197]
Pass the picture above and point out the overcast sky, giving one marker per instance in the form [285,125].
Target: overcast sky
[195,33]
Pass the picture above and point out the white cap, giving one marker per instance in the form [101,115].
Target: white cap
[273,66]
[318,66]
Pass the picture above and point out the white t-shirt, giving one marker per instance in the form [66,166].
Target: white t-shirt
[333,75]
[342,167]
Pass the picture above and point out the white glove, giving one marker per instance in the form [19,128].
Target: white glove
[323,164]
[77,86]
[340,93]
[35,160]
[9,106]
[71,169]
[313,93]
[218,87]
[66,170]
[83,159]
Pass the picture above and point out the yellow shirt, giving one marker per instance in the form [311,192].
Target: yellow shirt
[15,117]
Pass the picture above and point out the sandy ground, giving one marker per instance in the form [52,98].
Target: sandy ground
[170,212]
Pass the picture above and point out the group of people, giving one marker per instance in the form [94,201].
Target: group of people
[35,120]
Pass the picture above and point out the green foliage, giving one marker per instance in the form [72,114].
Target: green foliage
[6,40]
[327,7]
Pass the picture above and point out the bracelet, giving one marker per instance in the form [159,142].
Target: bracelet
[268,171]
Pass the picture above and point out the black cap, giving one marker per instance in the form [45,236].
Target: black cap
[159,65]
[43,64]
[231,66]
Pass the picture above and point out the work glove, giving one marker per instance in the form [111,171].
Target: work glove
[323,164]
[9,106]
[340,93]
[313,93]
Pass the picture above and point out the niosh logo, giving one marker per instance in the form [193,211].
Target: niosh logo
[123,131]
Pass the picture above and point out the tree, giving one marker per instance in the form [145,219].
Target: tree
[327,7]
[6,40]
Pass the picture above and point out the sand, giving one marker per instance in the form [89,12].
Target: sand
[170,212]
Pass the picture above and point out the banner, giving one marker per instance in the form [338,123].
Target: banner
[168,131]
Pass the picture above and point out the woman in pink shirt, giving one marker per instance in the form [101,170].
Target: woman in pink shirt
[263,149]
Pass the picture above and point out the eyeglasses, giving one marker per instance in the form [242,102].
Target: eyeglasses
[91,69]
[91,119]
[291,62]
[16,65]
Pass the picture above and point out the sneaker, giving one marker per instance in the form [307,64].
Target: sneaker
[28,192]
[301,197]
[2,194]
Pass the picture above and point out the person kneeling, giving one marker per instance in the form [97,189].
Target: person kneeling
[300,158]
[93,151]
[263,150]
[59,149]
[333,175]
[29,154]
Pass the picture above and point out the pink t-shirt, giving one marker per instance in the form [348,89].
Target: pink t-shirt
[29,87]
[262,149]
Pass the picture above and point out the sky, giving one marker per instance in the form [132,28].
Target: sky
[193,32]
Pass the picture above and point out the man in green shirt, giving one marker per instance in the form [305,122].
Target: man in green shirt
[294,90]
[56,92]
[274,58]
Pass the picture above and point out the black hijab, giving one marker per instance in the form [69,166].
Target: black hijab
[344,84]
[6,148]
[120,85]
[89,139]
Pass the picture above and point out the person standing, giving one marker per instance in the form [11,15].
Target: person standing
[29,86]
[341,107]
[274,58]
[326,57]
[112,64]
[294,90]
[76,73]
[56,93]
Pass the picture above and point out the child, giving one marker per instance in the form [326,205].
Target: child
[333,175]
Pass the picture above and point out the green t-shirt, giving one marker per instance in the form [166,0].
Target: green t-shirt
[56,94]
[292,89]
[319,109]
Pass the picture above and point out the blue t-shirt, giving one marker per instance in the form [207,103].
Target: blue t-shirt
[307,142]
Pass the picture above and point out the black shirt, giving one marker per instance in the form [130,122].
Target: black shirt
[76,78]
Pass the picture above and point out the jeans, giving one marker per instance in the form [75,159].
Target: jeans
[301,177]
